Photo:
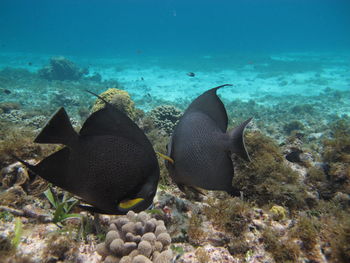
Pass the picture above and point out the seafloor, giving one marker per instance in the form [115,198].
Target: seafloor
[295,192]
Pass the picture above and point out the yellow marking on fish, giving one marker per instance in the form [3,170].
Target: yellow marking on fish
[165,157]
[130,203]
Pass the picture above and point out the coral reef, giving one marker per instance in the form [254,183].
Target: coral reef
[136,238]
[60,68]
[166,117]
[120,99]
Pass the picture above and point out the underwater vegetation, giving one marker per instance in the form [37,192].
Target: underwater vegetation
[267,179]
[337,155]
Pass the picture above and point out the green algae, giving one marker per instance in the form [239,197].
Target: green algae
[293,126]
[267,179]
[228,214]
[306,230]
[282,250]
[341,242]
[60,247]
[195,232]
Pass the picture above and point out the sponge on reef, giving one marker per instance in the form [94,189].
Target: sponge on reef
[136,238]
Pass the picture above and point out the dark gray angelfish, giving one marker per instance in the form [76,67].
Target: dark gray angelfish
[110,164]
[200,149]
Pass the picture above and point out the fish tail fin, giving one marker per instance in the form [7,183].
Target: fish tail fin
[58,130]
[31,168]
[237,141]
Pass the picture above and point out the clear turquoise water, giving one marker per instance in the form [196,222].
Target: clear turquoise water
[264,47]
[173,27]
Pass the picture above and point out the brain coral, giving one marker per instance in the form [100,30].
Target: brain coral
[136,238]
[120,99]
[165,117]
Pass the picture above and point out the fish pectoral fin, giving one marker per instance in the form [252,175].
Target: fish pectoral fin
[130,203]
[165,157]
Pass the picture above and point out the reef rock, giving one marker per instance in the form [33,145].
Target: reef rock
[61,68]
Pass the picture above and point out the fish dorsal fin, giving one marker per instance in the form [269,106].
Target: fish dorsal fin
[58,130]
[111,121]
[210,104]
[237,144]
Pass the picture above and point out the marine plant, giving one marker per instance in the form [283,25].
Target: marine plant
[282,250]
[195,232]
[231,215]
[9,244]
[306,230]
[267,179]
[341,242]
[336,155]
[60,247]
[6,216]
[17,233]
[62,207]
[294,125]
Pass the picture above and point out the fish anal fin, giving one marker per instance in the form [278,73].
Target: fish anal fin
[58,130]
[237,144]
[54,168]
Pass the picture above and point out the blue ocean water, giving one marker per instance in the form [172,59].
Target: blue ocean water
[264,47]
[173,27]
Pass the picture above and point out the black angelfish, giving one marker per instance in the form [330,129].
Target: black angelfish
[110,164]
[200,149]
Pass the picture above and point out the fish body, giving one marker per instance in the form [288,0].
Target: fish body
[190,74]
[201,148]
[107,164]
